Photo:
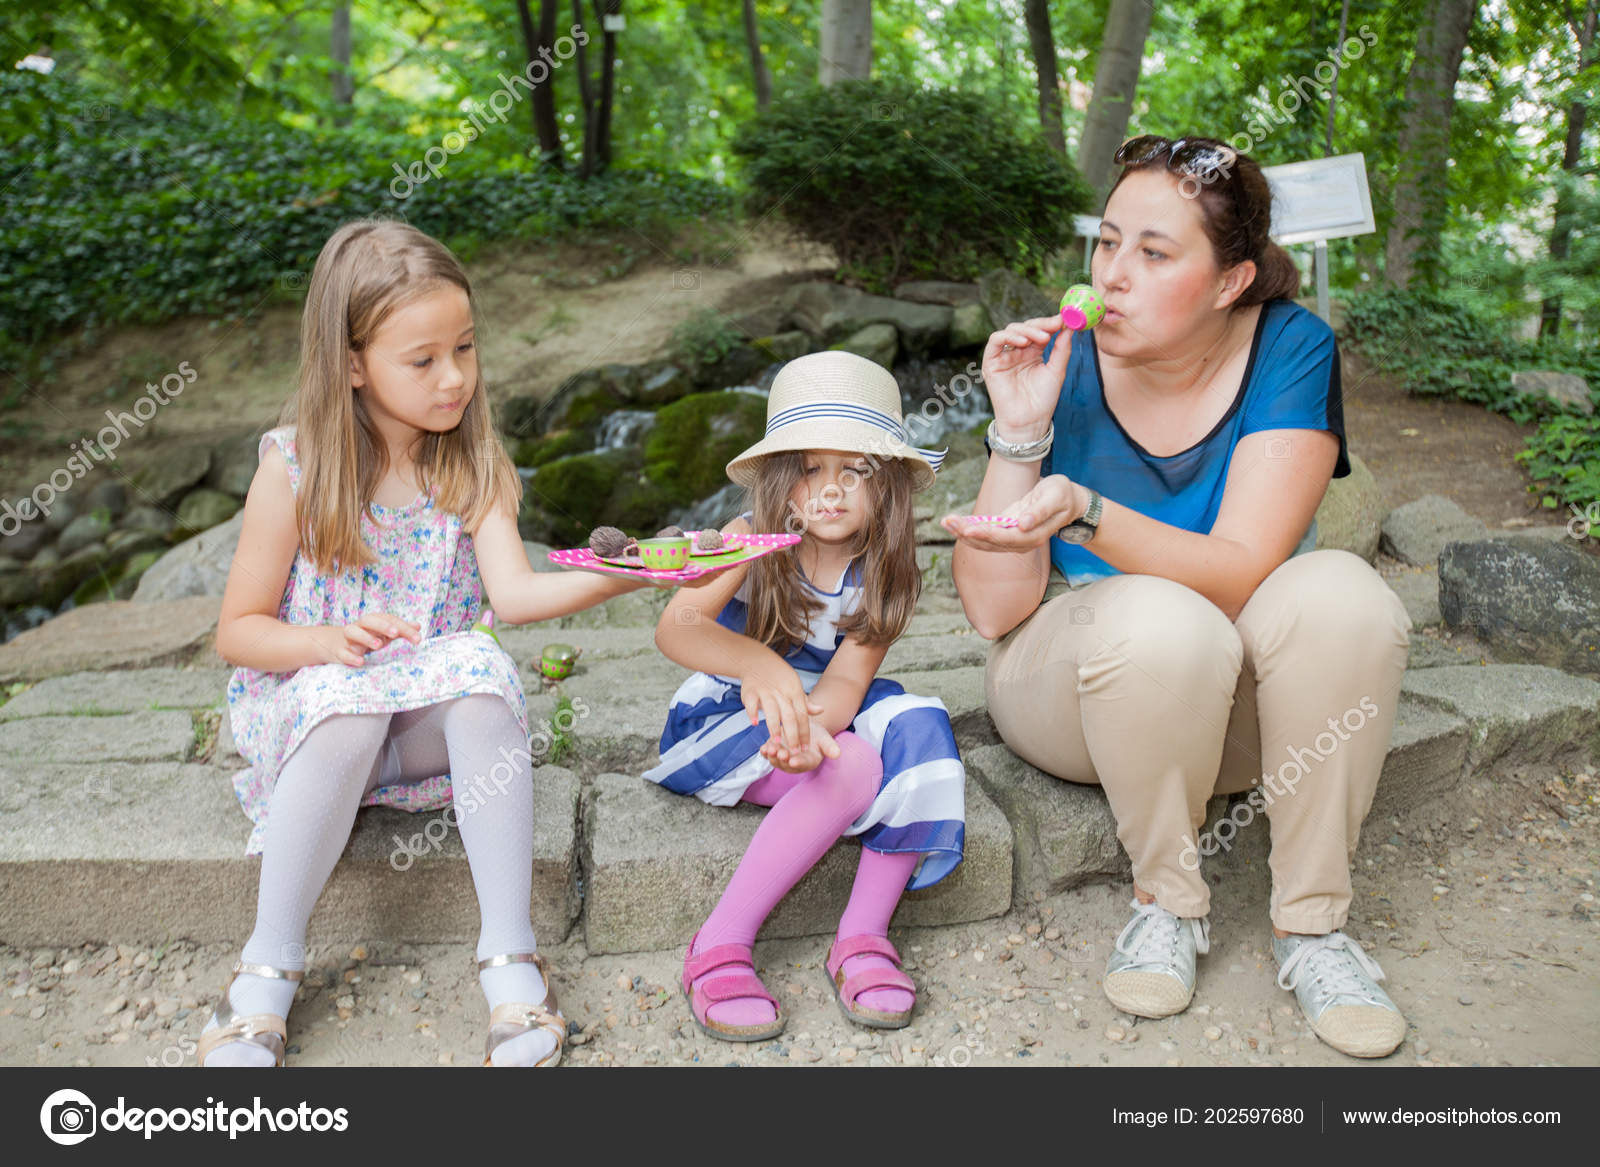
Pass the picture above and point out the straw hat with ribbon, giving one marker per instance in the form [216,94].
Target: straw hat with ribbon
[836,401]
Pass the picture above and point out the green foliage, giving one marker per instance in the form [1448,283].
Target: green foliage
[705,337]
[563,741]
[1438,346]
[1563,459]
[113,215]
[907,183]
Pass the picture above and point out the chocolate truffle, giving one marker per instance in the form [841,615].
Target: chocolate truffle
[670,533]
[709,540]
[608,542]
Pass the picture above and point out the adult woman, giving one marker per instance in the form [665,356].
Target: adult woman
[1180,453]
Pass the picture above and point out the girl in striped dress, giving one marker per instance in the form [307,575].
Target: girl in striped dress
[785,709]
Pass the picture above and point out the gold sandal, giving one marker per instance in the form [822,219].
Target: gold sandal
[266,1030]
[514,1018]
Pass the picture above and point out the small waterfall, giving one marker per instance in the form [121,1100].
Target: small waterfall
[623,428]
[940,396]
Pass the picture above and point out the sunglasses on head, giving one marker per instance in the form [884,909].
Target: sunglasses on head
[1202,160]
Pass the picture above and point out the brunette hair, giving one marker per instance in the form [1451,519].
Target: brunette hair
[780,609]
[1236,211]
[367,270]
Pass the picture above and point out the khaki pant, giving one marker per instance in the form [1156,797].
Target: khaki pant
[1143,686]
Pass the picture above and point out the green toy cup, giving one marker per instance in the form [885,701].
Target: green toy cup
[671,554]
[1081,308]
[557,660]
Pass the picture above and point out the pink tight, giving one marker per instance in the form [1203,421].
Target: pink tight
[809,813]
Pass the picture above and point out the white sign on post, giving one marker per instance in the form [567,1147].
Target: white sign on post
[1319,200]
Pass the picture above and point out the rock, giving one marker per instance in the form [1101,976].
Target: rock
[1427,756]
[87,528]
[164,481]
[62,512]
[234,463]
[830,312]
[1009,297]
[657,862]
[128,691]
[578,404]
[969,326]
[1065,833]
[25,542]
[108,495]
[148,519]
[112,635]
[1530,599]
[1417,531]
[1524,713]
[203,509]
[1350,516]
[150,736]
[783,346]
[116,1005]
[1115,1033]
[1212,1033]
[954,491]
[664,385]
[1563,390]
[946,292]
[1419,592]
[196,567]
[877,342]
[687,452]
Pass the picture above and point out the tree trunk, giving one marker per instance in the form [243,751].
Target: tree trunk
[1037,13]
[608,70]
[1333,86]
[758,60]
[1577,114]
[543,99]
[587,162]
[846,40]
[1422,177]
[344,89]
[1115,79]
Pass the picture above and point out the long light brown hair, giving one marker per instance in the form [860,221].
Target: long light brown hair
[780,608]
[367,270]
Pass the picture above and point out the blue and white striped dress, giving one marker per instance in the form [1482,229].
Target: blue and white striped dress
[709,748]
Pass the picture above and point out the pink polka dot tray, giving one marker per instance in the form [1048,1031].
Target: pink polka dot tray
[750,547]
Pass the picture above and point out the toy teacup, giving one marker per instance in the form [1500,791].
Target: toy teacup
[557,660]
[669,554]
[1081,308]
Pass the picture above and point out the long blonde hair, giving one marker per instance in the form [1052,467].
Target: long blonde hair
[367,270]
[780,609]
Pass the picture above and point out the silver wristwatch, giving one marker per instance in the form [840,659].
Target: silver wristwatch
[1081,530]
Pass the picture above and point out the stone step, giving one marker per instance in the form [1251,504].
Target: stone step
[655,864]
[155,850]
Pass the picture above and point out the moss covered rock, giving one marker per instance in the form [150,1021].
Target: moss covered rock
[687,452]
[538,451]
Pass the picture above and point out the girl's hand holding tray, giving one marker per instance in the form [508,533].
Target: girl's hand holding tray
[698,563]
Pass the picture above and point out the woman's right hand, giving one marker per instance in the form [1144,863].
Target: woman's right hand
[778,694]
[1022,388]
[349,643]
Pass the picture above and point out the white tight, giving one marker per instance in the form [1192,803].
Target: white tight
[313,809]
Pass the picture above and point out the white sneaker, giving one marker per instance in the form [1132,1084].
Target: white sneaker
[1336,985]
[1151,970]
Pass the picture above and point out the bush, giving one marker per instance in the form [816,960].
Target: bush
[116,215]
[906,183]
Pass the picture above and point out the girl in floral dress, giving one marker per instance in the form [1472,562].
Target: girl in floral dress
[381,520]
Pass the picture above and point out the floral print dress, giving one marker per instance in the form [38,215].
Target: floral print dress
[427,573]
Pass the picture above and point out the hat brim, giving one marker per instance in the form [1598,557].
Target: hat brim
[831,434]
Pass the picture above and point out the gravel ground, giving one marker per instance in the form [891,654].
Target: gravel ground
[1481,914]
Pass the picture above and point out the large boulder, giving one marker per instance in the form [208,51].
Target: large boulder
[1416,532]
[831,312]
[116,635]
[196,567]
[970,326]
[945,292]
[1566,391]
[877,342]
[1350,516]
[688,450]
[163,481]
[1532,600]
[1006,296]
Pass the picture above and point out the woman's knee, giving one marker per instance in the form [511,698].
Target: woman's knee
[1170,632]
[1338,592]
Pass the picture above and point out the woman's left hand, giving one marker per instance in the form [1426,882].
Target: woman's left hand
[1044,510]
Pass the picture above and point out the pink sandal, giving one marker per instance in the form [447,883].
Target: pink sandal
[848,991]
[732,987]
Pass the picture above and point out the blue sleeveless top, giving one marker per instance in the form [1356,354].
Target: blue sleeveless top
[1291,381]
